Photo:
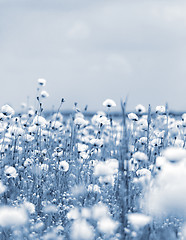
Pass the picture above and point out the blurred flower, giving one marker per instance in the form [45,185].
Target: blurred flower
[107,226]
[31,113]
[133,116]
[30,207]
[10,216]
[56,125]
[109,103]
[39,121]
[140,109]
[81,121]
[109,179]
[174,154]
[51,208]
[57,117]
[82,230]
[44,94]
[82,147]
[102,169]
[85,213]
[140,156]
[10,172]
[7,110]
[73,214]
[160,109]
[99,210]
[63,166]
[3,188]
[97,142]
[138,220]
[41,81]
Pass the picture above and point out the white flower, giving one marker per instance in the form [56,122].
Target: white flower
[97,142]
[44,94]
[102,169]
[85,213]
[39,121]
[107,226]
[56,125]
[174,154]
[10,216]
[73,214]
[143,172]
[63,166]
[109,179]
[82,230]
[133,116]
[99,119]
[41,81]
[99,210]
[31,113]
[160,109]
[10,172]
[28,162]
[30,207]
[81,121]
[140,108]
[109,103]
[140,156]
[7,110]
[82,147]
[57,117]
[139,220]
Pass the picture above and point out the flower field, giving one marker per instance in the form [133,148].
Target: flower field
[83,178]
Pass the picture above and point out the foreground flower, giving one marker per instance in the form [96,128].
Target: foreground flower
[7,110]
[174,154]
[107,226]
[109,103]
[10,216]
[82,230]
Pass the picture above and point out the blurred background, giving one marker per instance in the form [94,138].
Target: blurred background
[92,50]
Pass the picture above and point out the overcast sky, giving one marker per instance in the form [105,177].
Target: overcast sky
[90,50]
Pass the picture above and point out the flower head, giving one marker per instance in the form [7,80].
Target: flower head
[63,166]
[109,103]
[174,154]
[140,108]
[160,109]
[7,110]
[44,94]
[10,216]
[41,82]
[139,220]
[10,172]
[133,116]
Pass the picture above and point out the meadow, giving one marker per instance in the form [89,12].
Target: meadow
[86,178]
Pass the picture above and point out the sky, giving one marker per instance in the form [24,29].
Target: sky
[89,51]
